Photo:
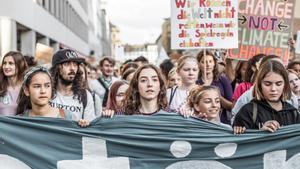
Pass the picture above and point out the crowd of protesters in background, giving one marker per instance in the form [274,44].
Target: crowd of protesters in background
[261,93]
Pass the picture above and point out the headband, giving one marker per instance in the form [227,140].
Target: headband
[34,70]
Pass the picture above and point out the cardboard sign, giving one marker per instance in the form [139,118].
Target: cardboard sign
[264,27]
[204,24]
[298,43]
[43,54]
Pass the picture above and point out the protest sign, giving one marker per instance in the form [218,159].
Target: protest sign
[43,54]
[204,24]
[163,141]
[264,27]
[298,43]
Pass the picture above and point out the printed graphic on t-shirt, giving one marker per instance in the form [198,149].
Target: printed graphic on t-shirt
[5,99]
[71,108]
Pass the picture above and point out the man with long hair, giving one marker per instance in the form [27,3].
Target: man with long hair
[70,93]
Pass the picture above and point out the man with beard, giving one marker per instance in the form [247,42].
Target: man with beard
[68,86]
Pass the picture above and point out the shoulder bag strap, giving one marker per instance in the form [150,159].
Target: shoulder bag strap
[254,113]
[172,94]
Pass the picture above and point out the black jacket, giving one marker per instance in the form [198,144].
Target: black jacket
[287,116]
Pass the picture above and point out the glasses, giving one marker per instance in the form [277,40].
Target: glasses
[120,95]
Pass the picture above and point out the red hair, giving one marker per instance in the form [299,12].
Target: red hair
[111,101]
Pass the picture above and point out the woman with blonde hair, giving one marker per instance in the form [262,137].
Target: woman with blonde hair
[173,78]
[209,75]
[205,101]
[187,69]
[294,81]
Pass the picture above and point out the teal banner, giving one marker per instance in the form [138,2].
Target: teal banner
[162,141]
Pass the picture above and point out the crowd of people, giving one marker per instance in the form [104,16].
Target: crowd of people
[261,93]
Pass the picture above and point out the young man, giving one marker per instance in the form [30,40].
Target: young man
[70,93]
[102,86]
[269,110]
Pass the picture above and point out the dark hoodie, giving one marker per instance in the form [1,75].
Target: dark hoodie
[287,116]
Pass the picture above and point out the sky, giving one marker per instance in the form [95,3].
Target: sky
[139,21]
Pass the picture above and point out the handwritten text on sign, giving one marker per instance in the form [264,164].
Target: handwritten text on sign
[204,24]
[265,27]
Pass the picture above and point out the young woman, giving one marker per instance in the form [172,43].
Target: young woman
[209,76]
[115,99]
[295,65]
[11,77]
[128,74]
[248,78]
[247,96]
[129,65]
[205,100]
[269,109]
[35,95]
[146,94]
[173,79]
[295,86]
[240,74]
[165,67]
[188,70]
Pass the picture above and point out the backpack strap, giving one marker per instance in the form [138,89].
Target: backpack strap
[84,102]
[296,114]
[62,113]
[172,94]
[94,98]
[106,92]
[254,113]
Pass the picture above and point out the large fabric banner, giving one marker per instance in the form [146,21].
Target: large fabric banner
[143,142]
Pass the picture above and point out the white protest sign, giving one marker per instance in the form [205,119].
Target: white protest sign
[204,24]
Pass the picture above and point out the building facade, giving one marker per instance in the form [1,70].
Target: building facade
[75,24]
[116,42]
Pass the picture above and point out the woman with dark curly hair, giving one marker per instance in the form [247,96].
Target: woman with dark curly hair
[11,77]
[146,94]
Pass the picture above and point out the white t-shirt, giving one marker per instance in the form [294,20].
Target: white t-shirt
[72,105]
[179,99]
